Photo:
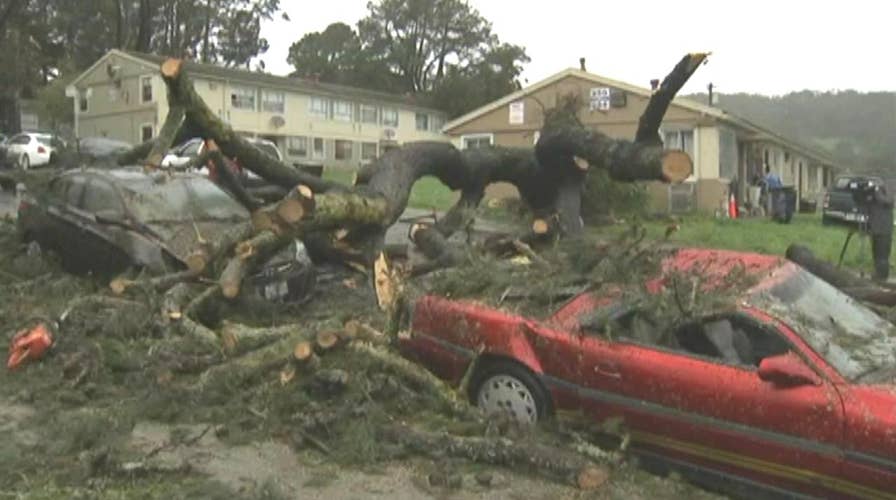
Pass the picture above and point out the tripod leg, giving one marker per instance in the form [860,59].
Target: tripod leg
[843,250]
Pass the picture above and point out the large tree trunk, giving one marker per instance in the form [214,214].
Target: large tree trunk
[198,114]
[854,286]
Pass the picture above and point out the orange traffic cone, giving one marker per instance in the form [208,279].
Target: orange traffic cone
[732,207]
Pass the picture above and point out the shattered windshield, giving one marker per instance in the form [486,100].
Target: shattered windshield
[183,199]
[853,339]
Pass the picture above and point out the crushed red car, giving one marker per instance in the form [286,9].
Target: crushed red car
[791,390]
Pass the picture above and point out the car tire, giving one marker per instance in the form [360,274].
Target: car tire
[53,159]
[507,386]
[24,162]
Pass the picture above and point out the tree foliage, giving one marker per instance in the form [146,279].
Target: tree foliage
[856,128]
[440,49]
[43,40]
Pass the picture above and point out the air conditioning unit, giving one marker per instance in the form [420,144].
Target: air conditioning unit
[278,121]
[389,134]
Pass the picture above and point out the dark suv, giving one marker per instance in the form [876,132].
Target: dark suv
[839,201]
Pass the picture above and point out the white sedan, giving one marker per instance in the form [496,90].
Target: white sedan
[31,150]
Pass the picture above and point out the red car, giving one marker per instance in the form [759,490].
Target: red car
[792,391]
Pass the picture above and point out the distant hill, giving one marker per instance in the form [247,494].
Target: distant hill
[857,129]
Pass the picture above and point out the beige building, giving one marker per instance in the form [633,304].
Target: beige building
[725,148]
[122,96]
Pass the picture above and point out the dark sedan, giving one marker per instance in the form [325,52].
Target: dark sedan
[106,221]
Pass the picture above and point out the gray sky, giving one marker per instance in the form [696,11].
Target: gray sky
[762,46]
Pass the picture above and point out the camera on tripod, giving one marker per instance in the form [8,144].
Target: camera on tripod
[862,191]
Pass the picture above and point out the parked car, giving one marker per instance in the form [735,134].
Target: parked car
[98,151]
[105,221]
[839,203]
[32,149]
[790,389]
[180,155]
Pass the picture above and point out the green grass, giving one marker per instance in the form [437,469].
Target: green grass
[765,236]
[427,193]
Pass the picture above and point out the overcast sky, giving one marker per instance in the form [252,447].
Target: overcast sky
[761,46]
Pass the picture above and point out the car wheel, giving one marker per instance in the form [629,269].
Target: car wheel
[24,162]
[53,159]
[507,387]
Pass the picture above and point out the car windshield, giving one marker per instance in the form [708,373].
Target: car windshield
[46,140]
[183,199]
[853,339]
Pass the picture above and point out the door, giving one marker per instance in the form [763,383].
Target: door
[103,236]
[694,395]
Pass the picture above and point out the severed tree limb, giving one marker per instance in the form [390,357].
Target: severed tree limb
[165,139]
[551,462]
[159,283]
[854,286]
[225,177]
[652,117]
[246,255]
[182,93]
[192,327]
[418,376]
[237,338]
[256,362]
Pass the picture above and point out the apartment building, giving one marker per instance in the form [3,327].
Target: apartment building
[122,96]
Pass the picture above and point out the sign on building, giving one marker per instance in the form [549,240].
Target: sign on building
[600,98]
[517,113]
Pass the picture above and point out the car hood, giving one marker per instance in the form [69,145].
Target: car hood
[181,238]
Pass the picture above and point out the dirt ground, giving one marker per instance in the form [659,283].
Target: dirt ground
[116,410]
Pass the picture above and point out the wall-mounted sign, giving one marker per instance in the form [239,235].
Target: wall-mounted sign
[604,98]
[517,112]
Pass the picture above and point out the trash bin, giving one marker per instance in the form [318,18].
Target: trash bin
[783,202]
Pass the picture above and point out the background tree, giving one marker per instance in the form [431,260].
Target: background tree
[441,50]
[42,41]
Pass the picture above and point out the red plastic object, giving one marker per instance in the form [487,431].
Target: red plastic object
[732,207]
[29,344]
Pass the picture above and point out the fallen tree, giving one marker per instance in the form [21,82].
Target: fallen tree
[850,284]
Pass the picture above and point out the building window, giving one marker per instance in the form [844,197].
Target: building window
[297,146]
[342,111]
[146,132]
[477,141]
[390,117]
[368,150]
[82,104]
[273,102]
[318,152]
[368,114]
[422,120]
[436,124]
[146,89]
[318,106]
[242,98]
[680,139]
[343,150]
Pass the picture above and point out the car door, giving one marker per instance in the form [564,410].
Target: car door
[695,397]
[104,211]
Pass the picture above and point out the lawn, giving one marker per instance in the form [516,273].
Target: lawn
[765,236]
[427,193]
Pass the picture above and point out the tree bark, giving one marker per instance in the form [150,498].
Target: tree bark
[652,117]
[854,286]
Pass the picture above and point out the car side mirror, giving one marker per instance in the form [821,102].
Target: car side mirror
[787,370]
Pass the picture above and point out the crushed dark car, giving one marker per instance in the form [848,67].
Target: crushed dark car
[108,221]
